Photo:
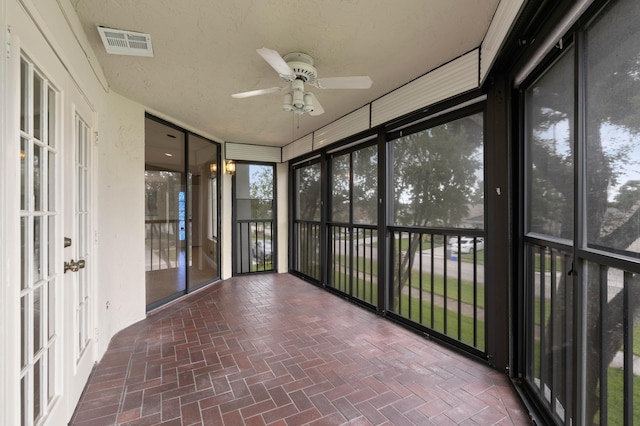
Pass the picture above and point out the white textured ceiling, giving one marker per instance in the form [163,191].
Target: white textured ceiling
[205,50]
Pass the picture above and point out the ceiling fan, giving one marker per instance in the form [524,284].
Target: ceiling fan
[296,69]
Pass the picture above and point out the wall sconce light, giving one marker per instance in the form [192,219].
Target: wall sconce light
[230,167]
[213,167]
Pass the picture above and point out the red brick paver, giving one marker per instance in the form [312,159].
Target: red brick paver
[271,349]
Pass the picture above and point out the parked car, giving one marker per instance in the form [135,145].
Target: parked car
[261,251]
[466,244]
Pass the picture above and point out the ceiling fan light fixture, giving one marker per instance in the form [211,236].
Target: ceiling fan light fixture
[287,105]
[308,103]
[298,99]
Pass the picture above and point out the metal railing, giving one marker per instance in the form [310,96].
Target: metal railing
[255,248]
[582,378]
[306,255]
[162,241]
[353,261]
[437,282]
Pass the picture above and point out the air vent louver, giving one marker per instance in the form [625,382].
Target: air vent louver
[119,42]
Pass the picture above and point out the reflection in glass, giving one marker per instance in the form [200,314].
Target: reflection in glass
[38,176]
[549,121]
[37,252]
[203,211]
[340,186]
[365,185]
[37,320]
[24,95]
[181,212]
[24,174]
[438,176]
[37,106]
[308,194]
[613,129]
[306,256]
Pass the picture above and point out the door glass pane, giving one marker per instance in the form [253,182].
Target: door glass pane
[37,386]
[51,193]
[165,212]
[24,174]
[24,330]
[24,248]
[37,106]
[38,183]
[37,252]
[24,95]
[37,319]
[613,128]
[51,118]
[203,211]
[254,190]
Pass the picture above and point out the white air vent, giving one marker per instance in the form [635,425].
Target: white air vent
[130,43]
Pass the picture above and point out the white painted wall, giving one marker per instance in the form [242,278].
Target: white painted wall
[282,180]
[120,186]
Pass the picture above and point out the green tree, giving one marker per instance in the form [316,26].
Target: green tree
[261,191]
[436,177]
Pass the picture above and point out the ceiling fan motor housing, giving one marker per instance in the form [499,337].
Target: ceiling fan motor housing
[302,66]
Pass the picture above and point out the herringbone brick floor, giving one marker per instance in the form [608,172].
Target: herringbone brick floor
[274,350]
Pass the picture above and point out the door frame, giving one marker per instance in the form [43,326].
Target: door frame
[234,219]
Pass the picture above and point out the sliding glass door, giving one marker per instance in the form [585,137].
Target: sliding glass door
[181,212]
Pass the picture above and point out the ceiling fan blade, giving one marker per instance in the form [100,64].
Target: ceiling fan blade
[356,82]
[317,108]
[274,59]
[256,92]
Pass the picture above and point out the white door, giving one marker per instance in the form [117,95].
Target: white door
[55,298]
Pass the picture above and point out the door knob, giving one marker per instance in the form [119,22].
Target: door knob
[74,266]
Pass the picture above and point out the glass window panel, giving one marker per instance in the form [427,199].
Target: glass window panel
[308,195]
[51,246]
[24,329]
[340,194]
[24,174]
[24,399]
[261,191]
[613,128]
[549,132]
[37,386]
[438,175]
[51,359]
[24,96]
[203,160]
[365,185]
[37,106]
[51,190]
[51,117]
[38,177]
[37,252]
[37,319]
[51,301]
[24,248]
